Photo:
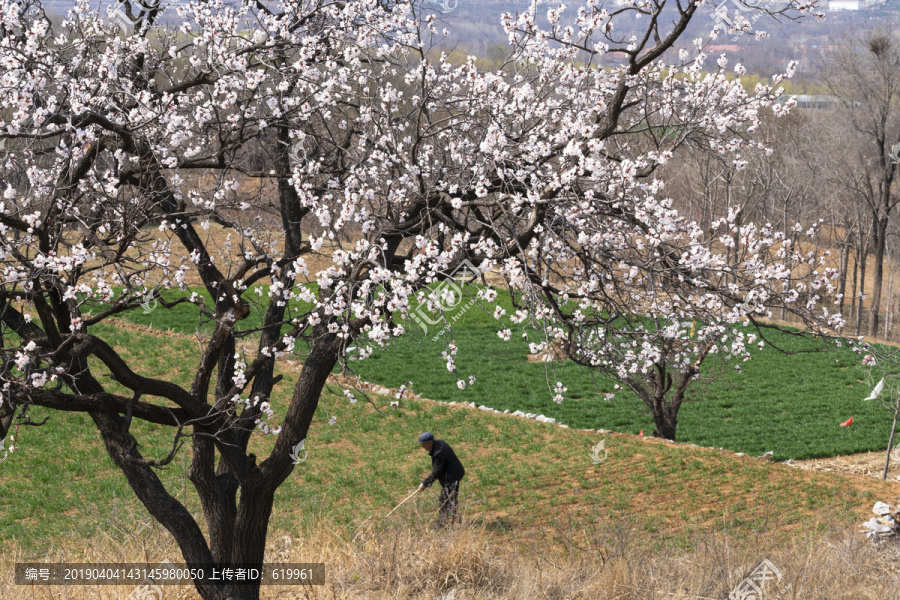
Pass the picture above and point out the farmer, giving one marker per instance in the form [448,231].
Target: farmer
[447,469]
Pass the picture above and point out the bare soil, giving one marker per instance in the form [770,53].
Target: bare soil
[866,464]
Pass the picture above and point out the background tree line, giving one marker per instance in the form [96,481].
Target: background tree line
[834,163]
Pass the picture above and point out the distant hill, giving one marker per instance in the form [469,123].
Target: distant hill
[474,28]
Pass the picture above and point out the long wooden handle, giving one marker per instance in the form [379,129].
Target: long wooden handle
[401,504]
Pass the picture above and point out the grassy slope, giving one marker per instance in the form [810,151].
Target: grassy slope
[789,404]
[522,475]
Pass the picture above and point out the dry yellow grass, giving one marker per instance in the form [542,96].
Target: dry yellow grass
[406,561]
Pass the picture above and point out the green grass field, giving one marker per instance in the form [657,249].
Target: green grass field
[522,476]
[791,405]
[61,483]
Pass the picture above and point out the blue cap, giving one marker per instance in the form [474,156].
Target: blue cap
[426,437]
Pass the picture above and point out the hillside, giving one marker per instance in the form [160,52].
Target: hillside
[530,489]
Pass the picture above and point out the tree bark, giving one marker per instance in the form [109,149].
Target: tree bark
[888,317]
[844,266]
[665,419]
[863,253]
[853,286]
[665,412]
[879,242]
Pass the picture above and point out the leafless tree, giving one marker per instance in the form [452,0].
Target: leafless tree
[865,77]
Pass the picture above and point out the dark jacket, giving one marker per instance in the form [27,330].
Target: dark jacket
[445,467]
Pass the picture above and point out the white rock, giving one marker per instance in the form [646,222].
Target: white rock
[473,405]
[881,509]
[506,412]
[564,426]
[530,415]
[518,413]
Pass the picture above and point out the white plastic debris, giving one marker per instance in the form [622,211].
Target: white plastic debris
[879,527]
[877,390]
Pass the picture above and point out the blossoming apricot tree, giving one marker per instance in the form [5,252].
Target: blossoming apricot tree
[366,148]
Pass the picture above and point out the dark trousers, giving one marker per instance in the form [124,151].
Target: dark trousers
[449,503]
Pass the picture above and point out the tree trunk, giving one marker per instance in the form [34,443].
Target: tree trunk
[894,310]
[665,413]
[864,254]
[879,243]
[291,209]
[844,265]
[890,303]
[246,542]
[665,418]
[853,285]
[249,539]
